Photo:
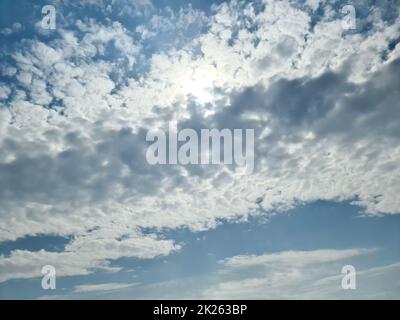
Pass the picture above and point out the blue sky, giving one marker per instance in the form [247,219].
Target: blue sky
[76,190]
[310,227]
[306,228]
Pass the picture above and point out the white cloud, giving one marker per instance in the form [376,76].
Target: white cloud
[299,275]
[314,274]
[4,91]
[16,28]
[101,287]
[292,258]
[82,256]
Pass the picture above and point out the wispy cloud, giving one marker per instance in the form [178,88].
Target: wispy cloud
[85,288]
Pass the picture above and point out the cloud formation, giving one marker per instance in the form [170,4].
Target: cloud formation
[75,107]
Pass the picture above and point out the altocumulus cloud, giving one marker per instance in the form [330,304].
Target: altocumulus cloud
[75,106]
